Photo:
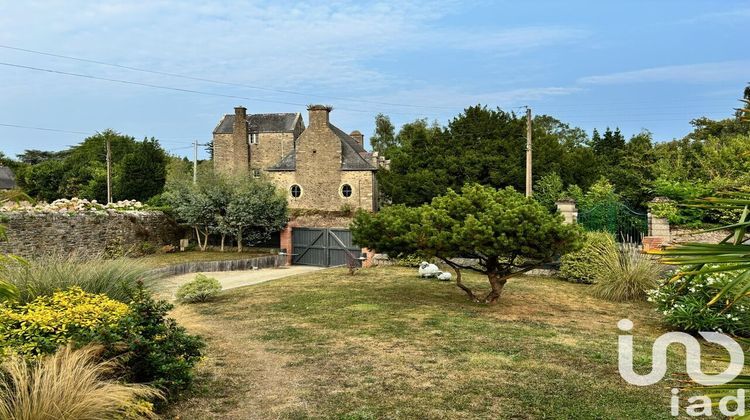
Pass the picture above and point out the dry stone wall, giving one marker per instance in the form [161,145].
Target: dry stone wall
[32,234]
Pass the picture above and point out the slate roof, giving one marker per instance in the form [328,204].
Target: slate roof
[352,154]
[273,123]
[7,178]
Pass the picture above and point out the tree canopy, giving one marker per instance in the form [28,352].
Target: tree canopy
[501,231]
[138,169]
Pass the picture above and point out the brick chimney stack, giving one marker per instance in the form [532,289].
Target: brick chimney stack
[359,137]
[319,116]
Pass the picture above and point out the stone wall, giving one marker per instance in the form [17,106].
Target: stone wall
[681,235]
[115,233]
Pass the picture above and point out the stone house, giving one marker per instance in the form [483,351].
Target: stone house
[7,178]
[319,167]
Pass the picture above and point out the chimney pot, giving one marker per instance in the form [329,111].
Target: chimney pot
[359,137]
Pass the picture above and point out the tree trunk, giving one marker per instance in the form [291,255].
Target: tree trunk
[223,236]
[497,283]
[460,285]
[239,241]
[204,247]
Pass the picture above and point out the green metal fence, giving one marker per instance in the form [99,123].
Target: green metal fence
[626,224]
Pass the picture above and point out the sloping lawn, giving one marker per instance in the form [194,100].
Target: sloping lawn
[385,344]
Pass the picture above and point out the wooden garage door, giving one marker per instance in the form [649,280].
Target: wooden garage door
[323,247]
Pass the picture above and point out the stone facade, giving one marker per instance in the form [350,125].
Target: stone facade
[329,169]
[115,233]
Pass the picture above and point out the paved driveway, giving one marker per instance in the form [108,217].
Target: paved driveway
[166,287]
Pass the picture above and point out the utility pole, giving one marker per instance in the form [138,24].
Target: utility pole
[528,152]
[109,172]
[195,162]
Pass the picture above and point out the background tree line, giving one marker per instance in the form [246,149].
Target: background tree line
[487,146]
[138,169]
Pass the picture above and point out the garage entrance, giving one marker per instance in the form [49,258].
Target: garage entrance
[323,247]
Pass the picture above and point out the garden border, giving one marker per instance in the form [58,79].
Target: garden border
[267,261]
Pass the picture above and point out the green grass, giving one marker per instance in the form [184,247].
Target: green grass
[174,258]
[385,344]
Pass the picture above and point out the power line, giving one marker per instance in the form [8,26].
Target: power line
[150,85]
[201,79]
[44,129]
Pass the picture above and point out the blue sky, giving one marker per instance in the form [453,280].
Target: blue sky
[637,64]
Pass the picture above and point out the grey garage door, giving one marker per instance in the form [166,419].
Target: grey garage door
[323,247]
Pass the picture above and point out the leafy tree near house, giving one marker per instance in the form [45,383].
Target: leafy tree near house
[248,210]
[506,233]
[384,139]
[255,210]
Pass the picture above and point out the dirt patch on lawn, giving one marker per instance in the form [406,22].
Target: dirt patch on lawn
[238,378]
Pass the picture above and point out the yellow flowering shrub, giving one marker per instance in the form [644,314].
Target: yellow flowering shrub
[48,322]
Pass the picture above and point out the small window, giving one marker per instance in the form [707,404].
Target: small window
[256,173]
[296,191]
[346,190]
[252,138]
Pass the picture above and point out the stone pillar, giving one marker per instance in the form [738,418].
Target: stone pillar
[369,254]
[659,226]
[659,233]
[285,241]
[567,207]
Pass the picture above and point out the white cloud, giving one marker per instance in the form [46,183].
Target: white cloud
[736,15]
[688,73]
[306,46]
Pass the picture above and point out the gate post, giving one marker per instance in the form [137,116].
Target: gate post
[658,228]
[285,242]
[568,209]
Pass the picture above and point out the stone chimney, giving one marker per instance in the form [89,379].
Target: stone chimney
[319,116]
[240,147]
[240,121]
[359,137]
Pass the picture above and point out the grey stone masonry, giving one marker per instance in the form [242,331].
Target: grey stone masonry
[115,233]
[659,226]
[568,209]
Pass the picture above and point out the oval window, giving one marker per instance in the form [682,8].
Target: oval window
[346,190]
[296,191]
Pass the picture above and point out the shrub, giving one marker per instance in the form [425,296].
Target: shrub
[70,384]
[624,273]
[408,260]
[44,276]
[156,349]
[685,305]
[201,289]
[151,348]
[42,326]
[581,266]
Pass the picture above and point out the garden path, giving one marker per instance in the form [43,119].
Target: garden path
[166,287]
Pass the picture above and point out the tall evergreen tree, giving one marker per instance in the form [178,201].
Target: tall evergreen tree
[384,140]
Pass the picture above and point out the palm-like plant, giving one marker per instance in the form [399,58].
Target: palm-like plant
[730,255]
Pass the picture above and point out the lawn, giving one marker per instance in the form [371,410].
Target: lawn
[174,258]
[385,344]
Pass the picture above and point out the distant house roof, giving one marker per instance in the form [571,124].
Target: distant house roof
[266,123]
[352,155]
[7,178]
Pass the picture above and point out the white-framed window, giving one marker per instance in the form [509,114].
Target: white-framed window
[346,190]
[256,173]
[252,138]
[295,190]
